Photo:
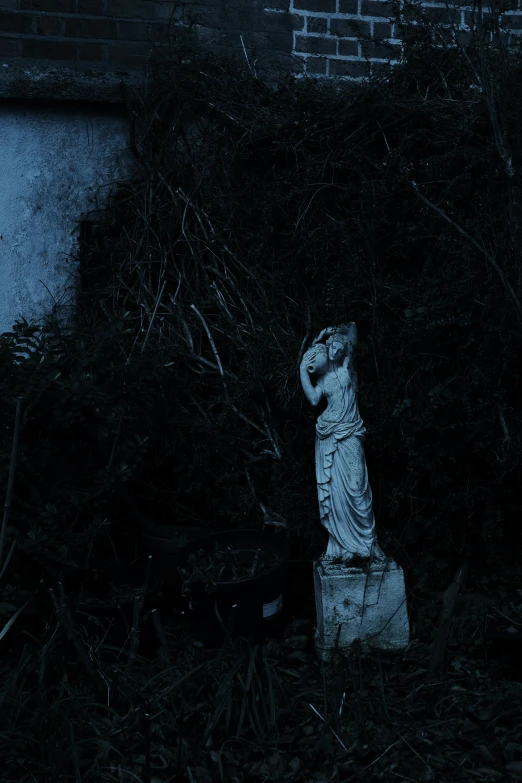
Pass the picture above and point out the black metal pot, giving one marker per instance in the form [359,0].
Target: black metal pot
[164,543]
[250,606]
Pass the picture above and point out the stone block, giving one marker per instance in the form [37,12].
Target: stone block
[369,605]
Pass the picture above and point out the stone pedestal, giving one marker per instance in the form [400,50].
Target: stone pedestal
[369,604]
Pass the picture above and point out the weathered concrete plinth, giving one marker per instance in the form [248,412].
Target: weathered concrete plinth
[369,605]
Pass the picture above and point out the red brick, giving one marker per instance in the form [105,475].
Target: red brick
[442,15]
[348,48]
[315,45]
[351,68]
[208,16]
[163,9]
[8,47]
[349,28]
[316,24]
[319,6]
[381,69]
[40,49]
[13,22]
[281,42]
[134,54]
[281,22]
[48,25]
[202,4]
[141,31]
[316,65]
[280,5]
[208,35]
[179,14]
[250,38]
[291,64]
[471,18]
[382,30]
[90,7]
[54,6]
[130,9]
[447,35]
[376,8]
[92,52]
[464,37]
[91,28]
[241,18]
[380,51]
[349,7]
[510,22]
[208,3]
[229,39]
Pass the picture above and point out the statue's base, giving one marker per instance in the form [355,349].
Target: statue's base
[369,604]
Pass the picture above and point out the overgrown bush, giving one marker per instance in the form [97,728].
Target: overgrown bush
[264,213]
[261,214]
[84,432]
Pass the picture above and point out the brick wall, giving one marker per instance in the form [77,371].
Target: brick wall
[327,39]
[314,36]
[113,32]
[325,33]
[50,42]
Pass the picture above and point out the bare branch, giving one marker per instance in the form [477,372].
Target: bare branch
[210,338]
[482,250]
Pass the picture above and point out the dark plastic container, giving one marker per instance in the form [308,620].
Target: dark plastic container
[251,607]
[164,543]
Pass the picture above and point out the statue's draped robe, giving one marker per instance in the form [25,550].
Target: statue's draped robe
[345,496]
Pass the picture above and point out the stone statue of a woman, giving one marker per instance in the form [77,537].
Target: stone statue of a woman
[345,496]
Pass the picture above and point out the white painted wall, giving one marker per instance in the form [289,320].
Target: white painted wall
[56,164]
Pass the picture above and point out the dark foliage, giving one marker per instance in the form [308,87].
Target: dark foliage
[258,215]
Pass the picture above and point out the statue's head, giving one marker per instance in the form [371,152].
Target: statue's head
[316,359]
[336,347]
[341,342]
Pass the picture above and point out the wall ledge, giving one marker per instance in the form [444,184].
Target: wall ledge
[42,82]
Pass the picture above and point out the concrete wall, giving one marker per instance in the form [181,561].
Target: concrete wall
[57,165]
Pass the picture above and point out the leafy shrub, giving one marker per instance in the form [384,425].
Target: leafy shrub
[80,439]
[256,222]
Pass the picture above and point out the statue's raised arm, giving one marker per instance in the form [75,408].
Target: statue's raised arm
[324,334]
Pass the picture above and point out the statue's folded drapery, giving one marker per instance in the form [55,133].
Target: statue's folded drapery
[345,496]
